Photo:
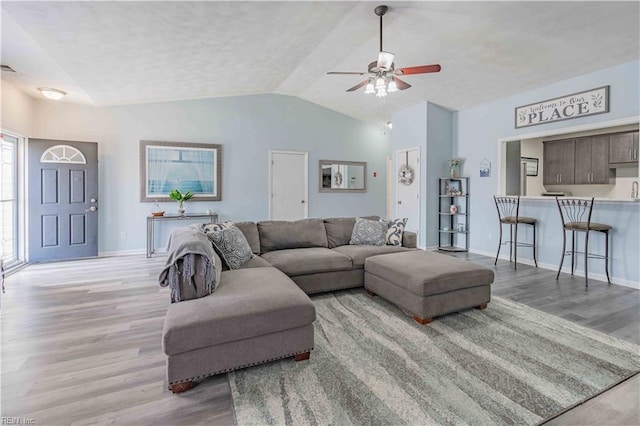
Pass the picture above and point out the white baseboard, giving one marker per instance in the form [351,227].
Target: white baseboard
[122,252]
[566,269]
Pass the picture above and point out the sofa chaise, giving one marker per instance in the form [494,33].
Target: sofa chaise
[261,311]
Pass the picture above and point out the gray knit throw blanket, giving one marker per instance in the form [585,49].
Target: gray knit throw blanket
[190,269]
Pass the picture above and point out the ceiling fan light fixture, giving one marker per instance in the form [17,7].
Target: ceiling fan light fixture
[392,86]
[380,83]
[382,92]
[370,89]
[51,93]
[385,60]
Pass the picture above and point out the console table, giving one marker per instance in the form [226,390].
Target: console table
[151,220]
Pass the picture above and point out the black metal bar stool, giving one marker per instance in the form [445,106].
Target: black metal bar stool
[509,214]
[575,214]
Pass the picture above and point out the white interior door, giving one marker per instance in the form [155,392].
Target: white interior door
[288,185]
[408,195]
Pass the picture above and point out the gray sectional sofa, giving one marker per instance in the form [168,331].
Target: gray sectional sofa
[261,312]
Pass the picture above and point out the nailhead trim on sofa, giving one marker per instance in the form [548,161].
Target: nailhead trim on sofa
[237,368]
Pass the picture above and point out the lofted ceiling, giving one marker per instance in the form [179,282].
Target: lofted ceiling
[116,53]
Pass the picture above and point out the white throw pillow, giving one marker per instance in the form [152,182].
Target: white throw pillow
[369,233]
[395,231]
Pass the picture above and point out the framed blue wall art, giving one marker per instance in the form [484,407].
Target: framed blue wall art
[194,167]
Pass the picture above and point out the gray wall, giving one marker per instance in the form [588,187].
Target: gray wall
[439,151]
[512,169]
[247,127]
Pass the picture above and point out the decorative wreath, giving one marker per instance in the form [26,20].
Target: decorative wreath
[406,175]
[338,179]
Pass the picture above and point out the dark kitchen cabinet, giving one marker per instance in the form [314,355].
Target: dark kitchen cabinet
[592,160]
[623,148]
[559,162]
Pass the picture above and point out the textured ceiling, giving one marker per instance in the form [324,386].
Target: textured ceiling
[114,53]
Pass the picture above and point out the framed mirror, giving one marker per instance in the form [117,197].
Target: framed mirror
[343,176]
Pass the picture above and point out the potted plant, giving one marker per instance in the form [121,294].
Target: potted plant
[180,198]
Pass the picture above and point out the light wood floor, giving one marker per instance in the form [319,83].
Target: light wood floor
[81,343]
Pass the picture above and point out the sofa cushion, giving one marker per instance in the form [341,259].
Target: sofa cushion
[308,260]
[250,231]
[358,254]
[232,246]
[339,229]
[256,262]
[248,303]
[369,232]
[280,235]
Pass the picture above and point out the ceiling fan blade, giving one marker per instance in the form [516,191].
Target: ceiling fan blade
[422,69]
[402,85]
[357,86]
[340,72]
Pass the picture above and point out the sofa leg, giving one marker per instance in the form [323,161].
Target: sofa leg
[181,387]
[369,292]
[483,306]
[422,321]
[302,357]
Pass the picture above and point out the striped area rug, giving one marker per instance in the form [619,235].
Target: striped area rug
[372,364]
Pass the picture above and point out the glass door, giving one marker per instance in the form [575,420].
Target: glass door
[8,200]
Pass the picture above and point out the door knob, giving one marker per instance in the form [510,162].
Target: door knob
[92,208]
[93,200]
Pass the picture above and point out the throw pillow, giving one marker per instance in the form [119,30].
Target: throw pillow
[208,228]
[395,231]
[369,233]
[232,246]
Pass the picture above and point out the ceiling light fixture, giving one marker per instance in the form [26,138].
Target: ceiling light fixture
[370,88]
[50,93]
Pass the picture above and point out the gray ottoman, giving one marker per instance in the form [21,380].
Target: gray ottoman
[428,284]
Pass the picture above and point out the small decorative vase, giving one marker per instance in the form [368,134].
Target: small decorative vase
[453,173]
[453,209]
[181,210]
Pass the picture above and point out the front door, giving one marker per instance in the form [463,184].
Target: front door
[63,195]
[289,185]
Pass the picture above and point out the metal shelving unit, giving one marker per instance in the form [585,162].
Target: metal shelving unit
[453,227]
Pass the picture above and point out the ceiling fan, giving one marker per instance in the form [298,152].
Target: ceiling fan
[382,73]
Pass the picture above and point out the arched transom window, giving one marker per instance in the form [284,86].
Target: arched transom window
[63,154]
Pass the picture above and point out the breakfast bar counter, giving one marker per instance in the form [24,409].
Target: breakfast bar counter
[622,214]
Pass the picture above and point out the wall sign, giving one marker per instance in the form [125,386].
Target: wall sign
[582,104]
[485,168]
